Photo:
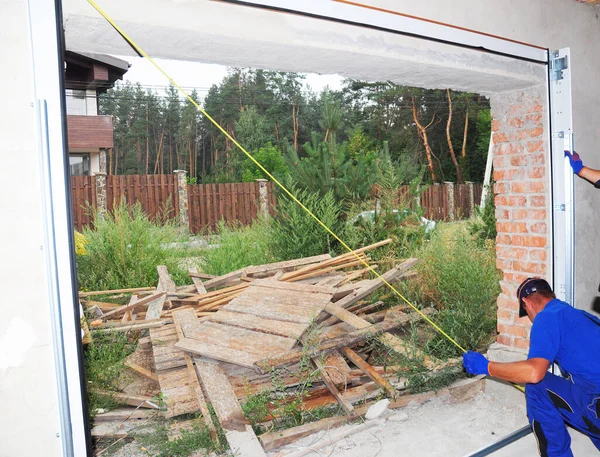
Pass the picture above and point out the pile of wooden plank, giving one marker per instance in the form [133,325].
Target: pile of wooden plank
[222,339]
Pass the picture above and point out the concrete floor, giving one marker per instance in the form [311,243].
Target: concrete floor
[441,428]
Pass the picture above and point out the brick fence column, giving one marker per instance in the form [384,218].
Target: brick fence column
[522,198]
[183,197]
[100,189]
[263,197]
[450,198]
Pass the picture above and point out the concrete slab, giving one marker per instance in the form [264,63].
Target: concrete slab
[444,427]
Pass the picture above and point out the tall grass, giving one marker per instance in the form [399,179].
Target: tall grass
[239,246]
[458,275]
[123,250]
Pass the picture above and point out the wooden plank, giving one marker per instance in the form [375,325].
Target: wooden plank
[239,433]
[240,339]
[337,369]
[259,324]
[369,371]
[218,352]
[285,265]
[114,291]
[165,283]
[185,319]
[155,308]
[132,400]
[220,280]
[123,413]
[283,306]
[197,282]
[280,438]
[130,327]
[289,286]
[122,309]
[345,404]
[310,268]
[144,372]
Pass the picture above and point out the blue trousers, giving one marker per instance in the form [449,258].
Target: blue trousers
[554,403]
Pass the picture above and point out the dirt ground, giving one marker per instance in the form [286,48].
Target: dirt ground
[440,427]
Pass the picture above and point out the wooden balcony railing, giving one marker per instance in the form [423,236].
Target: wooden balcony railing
[90,132]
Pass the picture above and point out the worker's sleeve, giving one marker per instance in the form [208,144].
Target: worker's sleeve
[597,184]
[545,337]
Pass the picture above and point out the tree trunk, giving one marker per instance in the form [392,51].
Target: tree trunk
[464,145]
[159,151]
[295,113]
[449,139]
[423,135]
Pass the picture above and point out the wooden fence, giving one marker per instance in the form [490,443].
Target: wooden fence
[201,206]
[159,197]
[209,203]
[448,201]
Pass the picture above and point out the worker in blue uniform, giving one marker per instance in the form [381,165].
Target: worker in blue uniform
[570,338]
[587,173]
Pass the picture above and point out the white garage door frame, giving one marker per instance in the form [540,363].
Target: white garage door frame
[47,51]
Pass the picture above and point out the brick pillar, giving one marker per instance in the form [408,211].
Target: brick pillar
[450,199]
[522,198]
[471,197]
[183,197]
[100,189]
[263,197]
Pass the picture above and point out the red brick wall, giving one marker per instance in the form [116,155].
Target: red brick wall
[522,198]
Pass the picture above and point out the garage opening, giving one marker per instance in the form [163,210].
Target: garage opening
[516,88]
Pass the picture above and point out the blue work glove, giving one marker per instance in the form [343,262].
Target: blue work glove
[576,163]
[475,363]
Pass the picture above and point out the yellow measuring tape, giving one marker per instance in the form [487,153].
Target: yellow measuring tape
[142,53]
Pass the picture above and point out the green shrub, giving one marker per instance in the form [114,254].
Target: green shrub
[458,276]
[297,234]
[124,249]
[239,247]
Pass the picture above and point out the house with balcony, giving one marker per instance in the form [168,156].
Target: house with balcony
[90,136]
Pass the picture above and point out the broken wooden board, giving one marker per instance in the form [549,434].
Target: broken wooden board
[197,282]
[238,431]
[123,309]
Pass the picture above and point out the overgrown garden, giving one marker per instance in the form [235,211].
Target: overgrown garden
[337,152]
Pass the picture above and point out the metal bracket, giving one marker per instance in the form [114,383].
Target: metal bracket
[561,207]
[557,65]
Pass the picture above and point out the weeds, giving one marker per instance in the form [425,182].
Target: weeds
[104,359]
[239,247]
[124,249]
[189,442]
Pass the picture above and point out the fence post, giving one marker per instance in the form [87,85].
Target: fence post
[471,197]
[183,197]
[450,198]
[100,189]
[263,197]
[102,160]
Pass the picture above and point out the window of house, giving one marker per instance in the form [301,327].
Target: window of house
[79,164]
[76,102]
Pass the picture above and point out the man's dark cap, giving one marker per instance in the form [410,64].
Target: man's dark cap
[527,287]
